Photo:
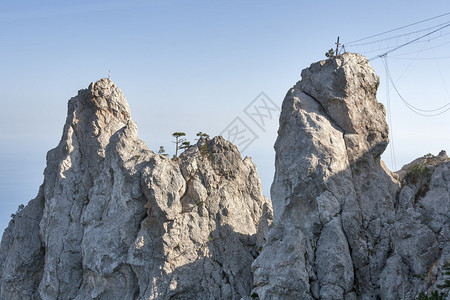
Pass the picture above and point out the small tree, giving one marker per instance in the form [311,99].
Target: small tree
[185,145]
[330,53]
[162,151]
[202,135]
[204,148]
[178,141]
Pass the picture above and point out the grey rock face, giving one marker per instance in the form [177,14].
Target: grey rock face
[200,244]
[113,220]
[22,254]
[345,227]
[420,234]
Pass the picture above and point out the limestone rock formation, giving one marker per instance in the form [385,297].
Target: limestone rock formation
[113,220]
[345,227]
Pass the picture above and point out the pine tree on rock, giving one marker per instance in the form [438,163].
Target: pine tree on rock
[162,151]
[178,141]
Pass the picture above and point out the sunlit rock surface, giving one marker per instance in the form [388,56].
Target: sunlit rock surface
[114,220]
[345,227]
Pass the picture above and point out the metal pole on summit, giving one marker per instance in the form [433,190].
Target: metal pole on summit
[109,74]
[337,46]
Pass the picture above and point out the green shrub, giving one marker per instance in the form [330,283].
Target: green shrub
[419,175]
[330,53]
[433,296]
[162,151]
[204,147]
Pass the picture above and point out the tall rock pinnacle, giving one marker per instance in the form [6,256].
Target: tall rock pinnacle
[336,215]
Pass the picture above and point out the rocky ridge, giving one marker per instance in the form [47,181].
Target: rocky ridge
[113,220]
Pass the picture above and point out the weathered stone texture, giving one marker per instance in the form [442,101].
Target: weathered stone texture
[344,225]
[114,220]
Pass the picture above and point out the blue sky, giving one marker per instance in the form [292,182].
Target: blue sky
[194,66]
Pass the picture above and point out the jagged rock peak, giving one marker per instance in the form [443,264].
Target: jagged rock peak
[114,220]
[102,102]
[342,84]
[344,226]
[346,87]
[93,117]
[107,96]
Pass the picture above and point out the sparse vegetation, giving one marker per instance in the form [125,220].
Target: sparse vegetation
[185,145]
[446,284]
[433,296]
[419,175]
[181,143]
[330,53]
[436,295]
[204,147]
[416,173]
[162,151]
[202,135]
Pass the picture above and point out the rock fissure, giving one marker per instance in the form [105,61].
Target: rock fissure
[326,114]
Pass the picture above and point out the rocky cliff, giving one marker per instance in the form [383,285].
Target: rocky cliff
[113,220]
[345,227]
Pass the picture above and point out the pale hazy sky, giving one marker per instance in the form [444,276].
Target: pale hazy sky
[196,66]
